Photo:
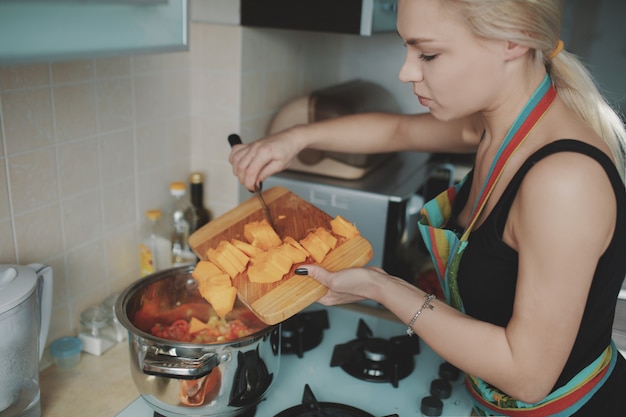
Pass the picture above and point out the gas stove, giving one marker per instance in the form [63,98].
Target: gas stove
[358,364]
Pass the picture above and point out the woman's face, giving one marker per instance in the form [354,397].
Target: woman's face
[454,73]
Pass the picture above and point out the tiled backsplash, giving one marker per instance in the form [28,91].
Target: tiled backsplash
[88,146]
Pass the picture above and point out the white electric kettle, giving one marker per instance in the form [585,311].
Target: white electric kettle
[25,309]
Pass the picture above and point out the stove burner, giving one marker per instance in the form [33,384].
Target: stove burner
[303,332]
[375,359]
[310,407]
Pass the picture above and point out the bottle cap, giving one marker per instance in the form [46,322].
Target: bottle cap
[153,214]
[177,188]
[196,178]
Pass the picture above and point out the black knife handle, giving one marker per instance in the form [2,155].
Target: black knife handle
[235,139]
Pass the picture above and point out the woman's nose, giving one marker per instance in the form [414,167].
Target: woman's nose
[411,70]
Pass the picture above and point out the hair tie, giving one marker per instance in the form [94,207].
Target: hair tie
[559,47]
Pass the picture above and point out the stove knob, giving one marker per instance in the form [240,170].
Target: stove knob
[449,372]
[431,407]
[440,388]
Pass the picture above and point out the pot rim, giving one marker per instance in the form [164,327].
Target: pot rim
[124,297]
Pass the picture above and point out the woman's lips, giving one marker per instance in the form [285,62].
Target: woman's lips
[424,101]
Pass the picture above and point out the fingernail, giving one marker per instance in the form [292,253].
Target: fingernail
[301,271]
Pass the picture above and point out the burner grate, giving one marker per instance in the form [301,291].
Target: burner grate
[310,407]
[375,359]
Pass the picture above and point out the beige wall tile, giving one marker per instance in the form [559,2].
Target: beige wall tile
[152,146]
[113,67]
[150,100]
[72,71]
[7,243]
[82,218]
[75,111]
[4,191]
[25,76]
[78,167]
[118,202]
[39,234]
[122,258]
[27,119]
[117,156]
[33,179]
[115,104]
[86,271]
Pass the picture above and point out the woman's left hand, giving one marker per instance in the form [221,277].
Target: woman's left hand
[346,286]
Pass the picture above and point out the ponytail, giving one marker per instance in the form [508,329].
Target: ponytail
[578,90]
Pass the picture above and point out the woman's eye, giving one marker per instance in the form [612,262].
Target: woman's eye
[427,58]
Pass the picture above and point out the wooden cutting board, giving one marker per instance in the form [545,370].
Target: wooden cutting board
[294,217]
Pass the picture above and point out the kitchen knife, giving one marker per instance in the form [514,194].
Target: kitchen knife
[234,139]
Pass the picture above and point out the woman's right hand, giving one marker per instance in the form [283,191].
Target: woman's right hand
[254,162]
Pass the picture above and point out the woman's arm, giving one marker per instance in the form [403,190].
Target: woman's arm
[359,133]
[560,234]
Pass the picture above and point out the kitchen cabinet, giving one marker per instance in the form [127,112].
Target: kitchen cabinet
[44,31]
[359,17]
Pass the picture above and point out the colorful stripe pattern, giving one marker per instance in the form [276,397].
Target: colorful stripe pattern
[446,249]
[562,402]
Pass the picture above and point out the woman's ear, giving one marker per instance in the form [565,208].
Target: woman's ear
[514,50]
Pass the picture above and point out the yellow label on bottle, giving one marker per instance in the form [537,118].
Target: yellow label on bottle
[146,260]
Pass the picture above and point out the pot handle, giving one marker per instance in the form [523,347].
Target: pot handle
[162,364]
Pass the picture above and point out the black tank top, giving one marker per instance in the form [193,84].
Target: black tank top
[488,270]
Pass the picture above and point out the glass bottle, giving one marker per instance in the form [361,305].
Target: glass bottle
[155,248]
[203,215]
[182,222]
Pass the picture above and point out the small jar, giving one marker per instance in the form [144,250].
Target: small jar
[93,325]
[116,331]
[66,352]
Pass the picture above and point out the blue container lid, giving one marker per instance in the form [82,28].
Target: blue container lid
[66,346]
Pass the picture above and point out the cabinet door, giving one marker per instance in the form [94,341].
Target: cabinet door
[361,17]
[41,31]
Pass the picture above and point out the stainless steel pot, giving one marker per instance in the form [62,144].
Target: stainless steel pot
[193,379]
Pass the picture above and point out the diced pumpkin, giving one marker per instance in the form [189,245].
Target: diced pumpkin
[327,237]
[204,269]
[264,273]
[223,300]
[292,252]
[220,280]
[293,242]
[315,246]
[342,227]
[235,256]
[195,325]
[261,235]
[232,260]
[224,263]
[245,247]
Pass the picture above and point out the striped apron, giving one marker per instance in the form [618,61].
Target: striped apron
[446,249]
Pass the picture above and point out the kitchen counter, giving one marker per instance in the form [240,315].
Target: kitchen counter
[99,386]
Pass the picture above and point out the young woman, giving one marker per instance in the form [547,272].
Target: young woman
[529,246]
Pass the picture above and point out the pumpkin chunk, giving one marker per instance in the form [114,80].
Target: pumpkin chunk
[245,247]
[205,269]
[230,259]
[206,285]
[195,325]
[342,227]
[317,247]
[261,235]
[222,300]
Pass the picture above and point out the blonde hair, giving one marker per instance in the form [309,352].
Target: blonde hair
[537,25]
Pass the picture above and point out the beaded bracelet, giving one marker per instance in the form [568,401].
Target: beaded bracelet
[429,298]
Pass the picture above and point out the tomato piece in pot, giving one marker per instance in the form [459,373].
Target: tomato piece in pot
[179,331]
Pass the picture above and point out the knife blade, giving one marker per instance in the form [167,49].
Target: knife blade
[234,139]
